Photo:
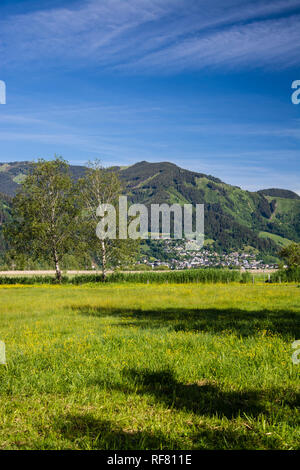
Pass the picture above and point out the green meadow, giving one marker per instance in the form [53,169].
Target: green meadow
[158,366]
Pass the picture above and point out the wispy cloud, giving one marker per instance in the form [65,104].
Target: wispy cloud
[271,43]
[242,129]
[159,35]
[18,119]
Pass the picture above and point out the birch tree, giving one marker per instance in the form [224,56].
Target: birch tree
[103,186]
[45,213]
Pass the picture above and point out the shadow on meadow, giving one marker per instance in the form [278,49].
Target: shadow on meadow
[242,322]
[206,398]
[86,431]
[103,434]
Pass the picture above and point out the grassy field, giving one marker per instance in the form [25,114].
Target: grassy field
[149,367]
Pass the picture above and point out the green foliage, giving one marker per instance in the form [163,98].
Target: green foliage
[188,276]
[267,259]
[161,267]
[139,267]
[291,254]
[103,186]
[286,275]
[45,213]
[157,249]
[28,280]
[280,241]
[5,216]
[275,192]
[14,173]
[233,218]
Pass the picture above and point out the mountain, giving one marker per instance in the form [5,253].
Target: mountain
[12,174]
[234,218]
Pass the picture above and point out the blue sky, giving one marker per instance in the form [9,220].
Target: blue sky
[203,84]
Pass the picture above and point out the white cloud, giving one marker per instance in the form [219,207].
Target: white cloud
[271,43]
[155,34]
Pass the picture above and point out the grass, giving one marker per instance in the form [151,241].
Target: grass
[129,366]
[210,275]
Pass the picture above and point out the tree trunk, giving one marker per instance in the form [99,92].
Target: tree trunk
[103,259]
[57,268]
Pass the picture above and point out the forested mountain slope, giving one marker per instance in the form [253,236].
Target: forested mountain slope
[234,218]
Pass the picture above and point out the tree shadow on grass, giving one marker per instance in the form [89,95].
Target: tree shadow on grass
[205,397]
[85,431]
[242,322]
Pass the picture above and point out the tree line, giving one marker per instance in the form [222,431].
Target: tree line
[54,215]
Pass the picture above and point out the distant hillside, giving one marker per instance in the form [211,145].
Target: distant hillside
[12,174]
[285,193]
[234,218]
